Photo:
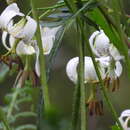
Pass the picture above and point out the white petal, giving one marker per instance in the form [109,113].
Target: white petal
[118,69]
[91,42]
[4,36]
[104,61]
[125,113]
[11,41]
[28,30]
[90,73]
[47,44]
[124,122]
[48,38]
[115,53]
[46,31]
[102,44]
[11,11]
[37,65]
[99,43]
[71,69]
[24,49]
[16,29]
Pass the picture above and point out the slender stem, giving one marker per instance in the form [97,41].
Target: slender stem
[104,93]
[42,60]
[75,107]
[81,79]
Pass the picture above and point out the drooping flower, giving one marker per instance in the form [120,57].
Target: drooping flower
[90,75]
[8,14]
[23,32]
[101,46]
[109,57]
[124,119]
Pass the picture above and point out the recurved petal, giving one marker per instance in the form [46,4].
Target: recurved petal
[104,61]
[47,44]
[90,73]
[11,11]
[24,49]
[91,42]
[124,122]
[118,69]
[47,31]
[71,69]
[28,31]
[11,41]
[16,29]
[115,53]
[4,40]
[102,44]
[125,113]
[4,37]
[37,66]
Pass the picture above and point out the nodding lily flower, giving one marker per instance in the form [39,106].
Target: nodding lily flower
[109,56]
[8,14]
[90,75]
[101,46]
[124,119]
[24,32]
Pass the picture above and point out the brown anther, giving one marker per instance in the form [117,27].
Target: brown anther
[115,84]
[107,82]
[95,107]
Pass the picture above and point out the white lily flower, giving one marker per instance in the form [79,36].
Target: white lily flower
[22,30]
[90,75]
[25,49]
[124,119]
[99,43]
[101,46]
[48,38]
[8,14]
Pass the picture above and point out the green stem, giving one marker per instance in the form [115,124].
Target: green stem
[81,78]
[41,60]
[104,93]
[75,107]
